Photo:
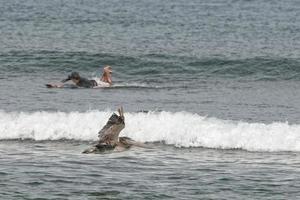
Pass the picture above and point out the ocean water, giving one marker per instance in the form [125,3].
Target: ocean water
[212,86]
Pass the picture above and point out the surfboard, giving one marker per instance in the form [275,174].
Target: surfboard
[72,86]
[101,86]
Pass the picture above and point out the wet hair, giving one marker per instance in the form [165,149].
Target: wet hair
[74,75]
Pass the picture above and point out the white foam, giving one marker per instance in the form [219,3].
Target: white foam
[102,84]
[180,129]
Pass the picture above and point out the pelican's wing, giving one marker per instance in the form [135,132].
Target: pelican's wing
[109,134]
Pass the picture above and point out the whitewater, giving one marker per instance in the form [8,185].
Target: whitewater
[181,129]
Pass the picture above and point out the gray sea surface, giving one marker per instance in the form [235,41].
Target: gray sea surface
[234,62]
[57,170]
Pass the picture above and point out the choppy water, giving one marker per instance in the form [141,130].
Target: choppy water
[220,79]
[57,171]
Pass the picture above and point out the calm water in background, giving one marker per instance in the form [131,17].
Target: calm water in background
[217,74]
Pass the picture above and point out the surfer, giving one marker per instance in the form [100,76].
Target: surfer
[104,81]
[80,81]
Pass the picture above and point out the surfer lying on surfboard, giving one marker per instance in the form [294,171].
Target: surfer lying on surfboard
[79,81]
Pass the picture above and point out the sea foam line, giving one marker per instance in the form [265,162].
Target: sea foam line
[180,129]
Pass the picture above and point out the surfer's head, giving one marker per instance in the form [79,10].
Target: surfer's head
[74,76]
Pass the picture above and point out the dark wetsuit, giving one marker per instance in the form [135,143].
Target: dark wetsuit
[83,82]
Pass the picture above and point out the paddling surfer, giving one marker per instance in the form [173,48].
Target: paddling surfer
[80,81]
[104,81]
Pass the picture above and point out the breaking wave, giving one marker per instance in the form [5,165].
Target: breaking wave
[180,129]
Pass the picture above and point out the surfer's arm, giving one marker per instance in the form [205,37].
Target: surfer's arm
[62,82]
[65,80]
